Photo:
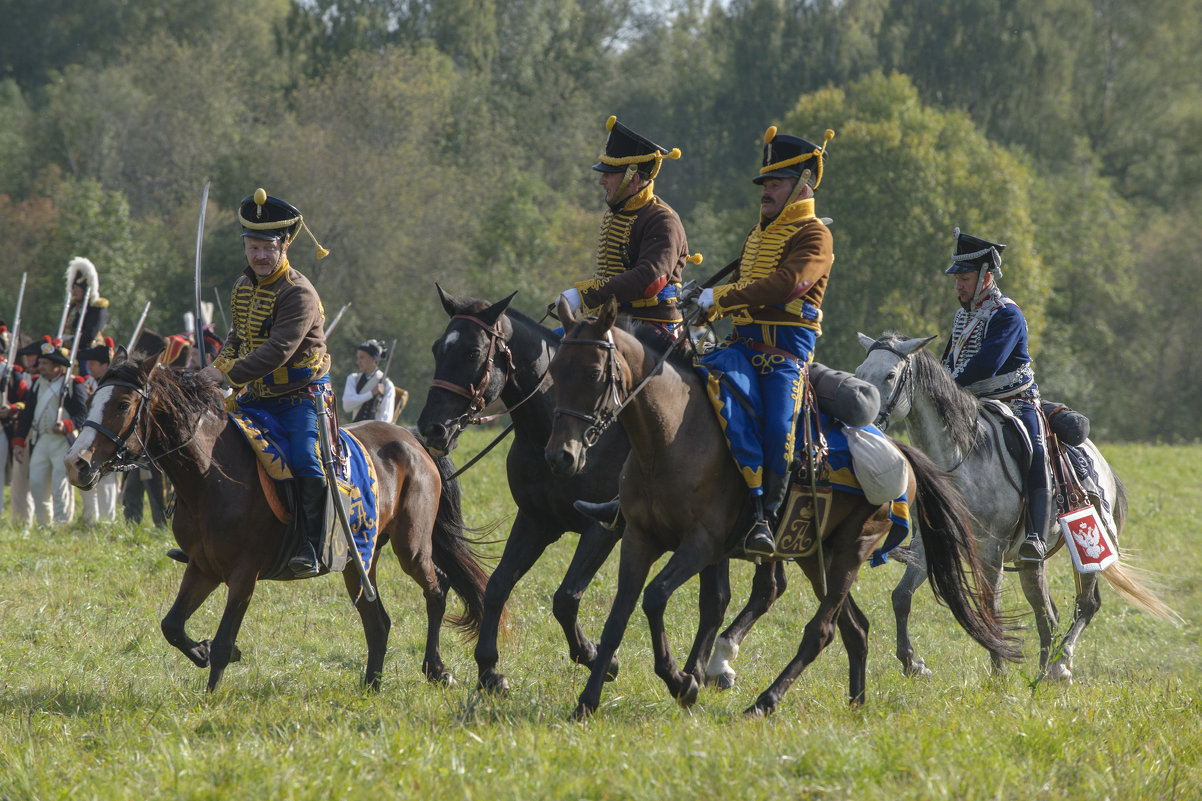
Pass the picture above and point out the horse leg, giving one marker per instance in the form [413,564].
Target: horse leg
[853,630]
[527,542]
[635,563]
[686,562]
[820,630]
[903,596]
[222,650]
[194,588]
[593,549]
[712,600]
[376,624]
[1089,601]
[415,558]
[767,585]
[1035,588]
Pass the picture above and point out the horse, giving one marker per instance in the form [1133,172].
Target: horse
[491,353]
[681,492]
[949,423]
[144,412]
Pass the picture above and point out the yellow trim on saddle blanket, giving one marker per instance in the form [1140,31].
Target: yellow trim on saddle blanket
[271,459]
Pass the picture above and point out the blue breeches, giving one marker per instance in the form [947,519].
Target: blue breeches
[296,413]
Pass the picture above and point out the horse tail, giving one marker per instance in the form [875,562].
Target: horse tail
[455,555]
[1124,577]
[951,555]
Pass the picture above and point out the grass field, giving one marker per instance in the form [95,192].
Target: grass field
[95,704]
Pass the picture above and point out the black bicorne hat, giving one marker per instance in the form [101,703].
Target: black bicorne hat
[265,217]
[374,348]
[624,147]
[100,353]
[789,156]
[53,350]
[970,254]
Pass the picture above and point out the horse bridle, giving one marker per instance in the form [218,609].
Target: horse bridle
[599,422]
[473,392]
[904,383]
[123,459]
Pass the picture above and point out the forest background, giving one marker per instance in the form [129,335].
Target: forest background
[451,140]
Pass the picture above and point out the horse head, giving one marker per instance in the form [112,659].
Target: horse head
[117,414]
[888,366]
[472,363]
[588,375]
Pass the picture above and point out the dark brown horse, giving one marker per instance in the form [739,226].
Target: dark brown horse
[681,492]
[225,525]
[492,354]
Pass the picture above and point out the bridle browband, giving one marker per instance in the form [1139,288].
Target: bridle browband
[904,383]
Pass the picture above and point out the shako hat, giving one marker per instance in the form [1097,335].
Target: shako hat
[970,254]
[100,353]
[788,156]
[374,348]
[625,148]
[53,350]
[265,217]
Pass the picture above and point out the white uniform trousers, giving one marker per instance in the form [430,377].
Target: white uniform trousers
[53,495]
[100,502]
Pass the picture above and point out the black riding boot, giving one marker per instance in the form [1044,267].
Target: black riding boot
[1039,521]
[608,514]
[311,495]
[759,539]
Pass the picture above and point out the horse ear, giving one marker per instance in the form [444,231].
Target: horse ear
[150,361]
[912,346]
[865,340]
[494,312]
[563,310]
[450,303]
[120,355]
[609,313]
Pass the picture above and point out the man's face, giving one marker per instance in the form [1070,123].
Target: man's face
[366,363]
[775,191]
[97,369]
[48,370]
[77,291]
[966,286]
[263,255]
[610,181]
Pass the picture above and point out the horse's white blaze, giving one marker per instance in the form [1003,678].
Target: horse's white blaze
[451,338]
[87,436]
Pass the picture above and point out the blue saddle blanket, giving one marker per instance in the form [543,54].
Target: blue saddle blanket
[359,487]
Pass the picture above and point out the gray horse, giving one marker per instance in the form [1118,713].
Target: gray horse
[948,423]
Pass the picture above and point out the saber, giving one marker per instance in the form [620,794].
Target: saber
[14,338]
[327,461]
[337,317]
[198,320]
[137,328]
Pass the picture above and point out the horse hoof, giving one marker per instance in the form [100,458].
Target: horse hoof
[611,672]
[916,670]
[726,681]
[1060,672]
[496,684]
[582,712]
[444,678]
[756,712]
[688,695]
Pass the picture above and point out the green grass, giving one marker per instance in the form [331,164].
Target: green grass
[95,704]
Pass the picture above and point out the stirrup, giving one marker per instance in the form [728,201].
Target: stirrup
[1031,550]
[304,564]
[759,540]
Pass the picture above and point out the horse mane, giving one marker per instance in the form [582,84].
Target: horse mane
[655,342]
[180,398]
[956,406]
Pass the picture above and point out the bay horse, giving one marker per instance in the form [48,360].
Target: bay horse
[949,423]
[493,354]
[225,525]
[681,492]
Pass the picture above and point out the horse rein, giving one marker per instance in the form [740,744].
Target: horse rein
[123,459]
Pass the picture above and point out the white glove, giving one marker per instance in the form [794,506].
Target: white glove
[706,299]
[572,296]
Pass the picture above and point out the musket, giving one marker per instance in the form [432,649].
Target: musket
[337,317]
[224,320]
[14,338]
[388,360]
[62,321]
[62,395]
[198,320]
[137,328]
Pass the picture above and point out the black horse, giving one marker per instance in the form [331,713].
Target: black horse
[490,352]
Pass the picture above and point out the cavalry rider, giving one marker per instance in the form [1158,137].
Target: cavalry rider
[369,394]
[83,279]
[46,432]
[775,302]
[987,355]
[642,249]
[275,354]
